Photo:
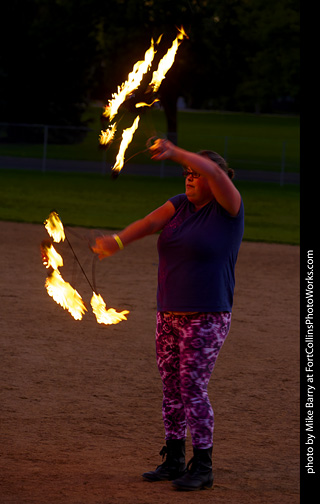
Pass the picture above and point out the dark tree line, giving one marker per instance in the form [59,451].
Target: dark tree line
[58,55]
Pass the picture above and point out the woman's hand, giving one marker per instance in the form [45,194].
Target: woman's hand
[105,246]
[162,149]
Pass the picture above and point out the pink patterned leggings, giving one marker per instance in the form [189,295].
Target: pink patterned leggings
[187,348]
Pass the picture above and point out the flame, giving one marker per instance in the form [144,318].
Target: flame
[134,79]
[108,135]
[65,295]
[103,315]
[54,227]
[143,104]
[62,292]
[50,257]
[127,136]
[167,61]
[133,82]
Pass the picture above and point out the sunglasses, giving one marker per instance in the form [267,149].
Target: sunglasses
[187,173]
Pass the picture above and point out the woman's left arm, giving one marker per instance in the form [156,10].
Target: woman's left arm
[220,184]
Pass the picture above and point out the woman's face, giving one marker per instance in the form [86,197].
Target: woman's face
[197,189]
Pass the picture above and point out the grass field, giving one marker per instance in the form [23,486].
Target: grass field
[248,141]
[91,200]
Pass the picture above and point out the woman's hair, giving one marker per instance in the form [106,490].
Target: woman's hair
[214,156]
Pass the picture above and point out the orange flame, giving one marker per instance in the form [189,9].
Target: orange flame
[62,292]
[54,227]
[127,136]
[108,135]
[167,61]
[65,295]
[134,79]
[50,257]
[103,315]
[133,82]
[143,104]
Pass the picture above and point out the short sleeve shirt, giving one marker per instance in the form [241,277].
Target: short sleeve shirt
[197,256]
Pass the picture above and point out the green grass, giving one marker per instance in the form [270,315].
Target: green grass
[97,201]
[248,141]
[272,212]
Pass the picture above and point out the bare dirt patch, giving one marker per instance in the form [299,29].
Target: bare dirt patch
[81,403]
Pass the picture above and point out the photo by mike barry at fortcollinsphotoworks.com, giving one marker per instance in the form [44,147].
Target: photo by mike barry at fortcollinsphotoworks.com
[308,372]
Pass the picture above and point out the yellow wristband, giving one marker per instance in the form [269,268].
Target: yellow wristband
[119,242]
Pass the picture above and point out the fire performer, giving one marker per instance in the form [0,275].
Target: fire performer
[201,232]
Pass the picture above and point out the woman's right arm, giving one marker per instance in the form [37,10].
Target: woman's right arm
[152,223]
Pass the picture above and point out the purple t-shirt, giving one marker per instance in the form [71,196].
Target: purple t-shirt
[197,257]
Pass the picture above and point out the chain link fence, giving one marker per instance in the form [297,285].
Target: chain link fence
[71,148]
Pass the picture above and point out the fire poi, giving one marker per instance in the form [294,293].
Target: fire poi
[62,292]
[126,89]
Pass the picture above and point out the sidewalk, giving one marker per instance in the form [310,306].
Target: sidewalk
[157,169]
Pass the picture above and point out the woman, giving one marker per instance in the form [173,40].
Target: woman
[198,247]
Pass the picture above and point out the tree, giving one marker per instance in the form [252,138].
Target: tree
[271,32]
[240,55]
[47,72]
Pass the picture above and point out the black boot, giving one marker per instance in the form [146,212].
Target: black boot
[199,472]
[174,465]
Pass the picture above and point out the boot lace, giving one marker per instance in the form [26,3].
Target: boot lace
[191,465]
[163,452]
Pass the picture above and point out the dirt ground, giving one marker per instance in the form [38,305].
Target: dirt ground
[80,406]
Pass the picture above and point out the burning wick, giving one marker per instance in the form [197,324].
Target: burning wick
[54,227]
[134,79]
[127,136]
[108,135]
[143,104]
[65,295]
[103,315]
[167,61]
[50,257]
